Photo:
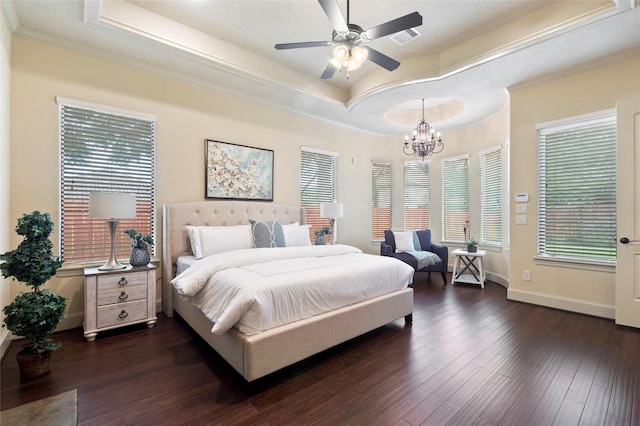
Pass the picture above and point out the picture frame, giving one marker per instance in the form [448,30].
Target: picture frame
[238,172]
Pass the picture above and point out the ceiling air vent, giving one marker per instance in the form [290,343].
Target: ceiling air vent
[404,37]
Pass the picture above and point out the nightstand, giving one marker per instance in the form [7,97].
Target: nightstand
[114,299]
[468,267]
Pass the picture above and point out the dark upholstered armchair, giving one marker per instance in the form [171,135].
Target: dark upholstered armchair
[388,248]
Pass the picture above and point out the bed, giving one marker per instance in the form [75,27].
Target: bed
[259,354]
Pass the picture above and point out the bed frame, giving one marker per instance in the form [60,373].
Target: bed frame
[260,354]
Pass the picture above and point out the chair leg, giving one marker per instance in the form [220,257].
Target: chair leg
[444,277]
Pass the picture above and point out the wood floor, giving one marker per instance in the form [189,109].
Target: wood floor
[470,358]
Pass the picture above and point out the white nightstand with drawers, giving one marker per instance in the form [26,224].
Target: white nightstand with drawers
[114,299]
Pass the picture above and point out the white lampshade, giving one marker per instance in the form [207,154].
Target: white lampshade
[332,210]
[112,205]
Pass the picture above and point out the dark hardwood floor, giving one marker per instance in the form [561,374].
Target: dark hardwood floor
[470,358]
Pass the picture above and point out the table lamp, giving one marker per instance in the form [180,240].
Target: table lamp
[112,206]
[333,211]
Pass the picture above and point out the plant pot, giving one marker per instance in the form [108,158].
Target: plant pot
[472,249]
[33,365]
[139,257]
[320,240]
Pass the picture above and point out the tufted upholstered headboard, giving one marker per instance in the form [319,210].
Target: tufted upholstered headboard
[175,218]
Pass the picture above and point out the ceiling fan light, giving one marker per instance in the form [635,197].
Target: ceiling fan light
[359,54]
[340,54]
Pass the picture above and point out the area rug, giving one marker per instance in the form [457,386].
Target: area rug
[59,410]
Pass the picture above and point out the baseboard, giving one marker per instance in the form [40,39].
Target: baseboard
[69,322]
[571,305]
[498,279]
[5,340]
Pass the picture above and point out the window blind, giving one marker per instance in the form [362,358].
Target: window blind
[491,196]
[318,183]
[105,152]
[381,200]
[577,189]
[416,195]
[455,198]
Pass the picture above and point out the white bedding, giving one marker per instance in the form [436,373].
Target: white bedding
[258,289]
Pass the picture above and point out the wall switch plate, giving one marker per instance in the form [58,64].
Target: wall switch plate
[521,219]
[526,275]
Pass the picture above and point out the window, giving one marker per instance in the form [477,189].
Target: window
[318,183]
[416,195]
[577,188]
[455,198]
[110,151]
[491,196]
[381,205]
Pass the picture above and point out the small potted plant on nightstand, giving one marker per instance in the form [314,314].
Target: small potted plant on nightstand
[33,315]
[472,246]
[139,248]
[321,235]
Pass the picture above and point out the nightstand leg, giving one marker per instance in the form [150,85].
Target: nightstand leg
[151,323]
[90,336]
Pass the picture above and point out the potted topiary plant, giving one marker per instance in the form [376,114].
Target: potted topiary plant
[139,248]
[34,315]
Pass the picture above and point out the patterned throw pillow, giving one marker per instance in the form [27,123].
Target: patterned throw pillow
[267,233]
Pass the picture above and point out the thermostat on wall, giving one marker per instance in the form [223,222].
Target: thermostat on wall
[522,198]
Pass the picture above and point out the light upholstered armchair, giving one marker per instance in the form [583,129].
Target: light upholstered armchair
[388,248]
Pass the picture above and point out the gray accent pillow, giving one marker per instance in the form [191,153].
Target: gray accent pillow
[267,233]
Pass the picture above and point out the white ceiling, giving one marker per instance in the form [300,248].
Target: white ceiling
[468,53]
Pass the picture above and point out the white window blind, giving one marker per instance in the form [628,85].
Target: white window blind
[318,183]
[417,214]
[105,152]
[455,198]
[381,202]
[577,189]
[491,196]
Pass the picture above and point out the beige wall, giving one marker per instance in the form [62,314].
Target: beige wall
[186,115]
[471,140]
[583,92]
[5,222]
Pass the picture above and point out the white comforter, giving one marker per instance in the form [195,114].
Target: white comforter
[258,289]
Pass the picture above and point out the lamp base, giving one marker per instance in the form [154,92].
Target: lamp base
[112,264]
[112,267]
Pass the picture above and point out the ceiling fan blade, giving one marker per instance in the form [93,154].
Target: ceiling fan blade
[396,25]
[303,44]
[329,71]
[333,12]
[381,59]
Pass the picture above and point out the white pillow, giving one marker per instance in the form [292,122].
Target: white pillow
[208,240]
[404,241]
[296,235]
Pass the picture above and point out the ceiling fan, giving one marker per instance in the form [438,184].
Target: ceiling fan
[348,39]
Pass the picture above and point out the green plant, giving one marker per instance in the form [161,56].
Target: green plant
[472,242]
[139,241]
[323,231]
[33,315]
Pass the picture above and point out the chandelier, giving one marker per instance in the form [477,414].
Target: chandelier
[425,141]
[349,58]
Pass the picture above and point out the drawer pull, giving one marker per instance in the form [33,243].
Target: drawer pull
[123,296]
[123,281]
[123,314]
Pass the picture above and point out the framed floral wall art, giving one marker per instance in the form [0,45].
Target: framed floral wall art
[238,172]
